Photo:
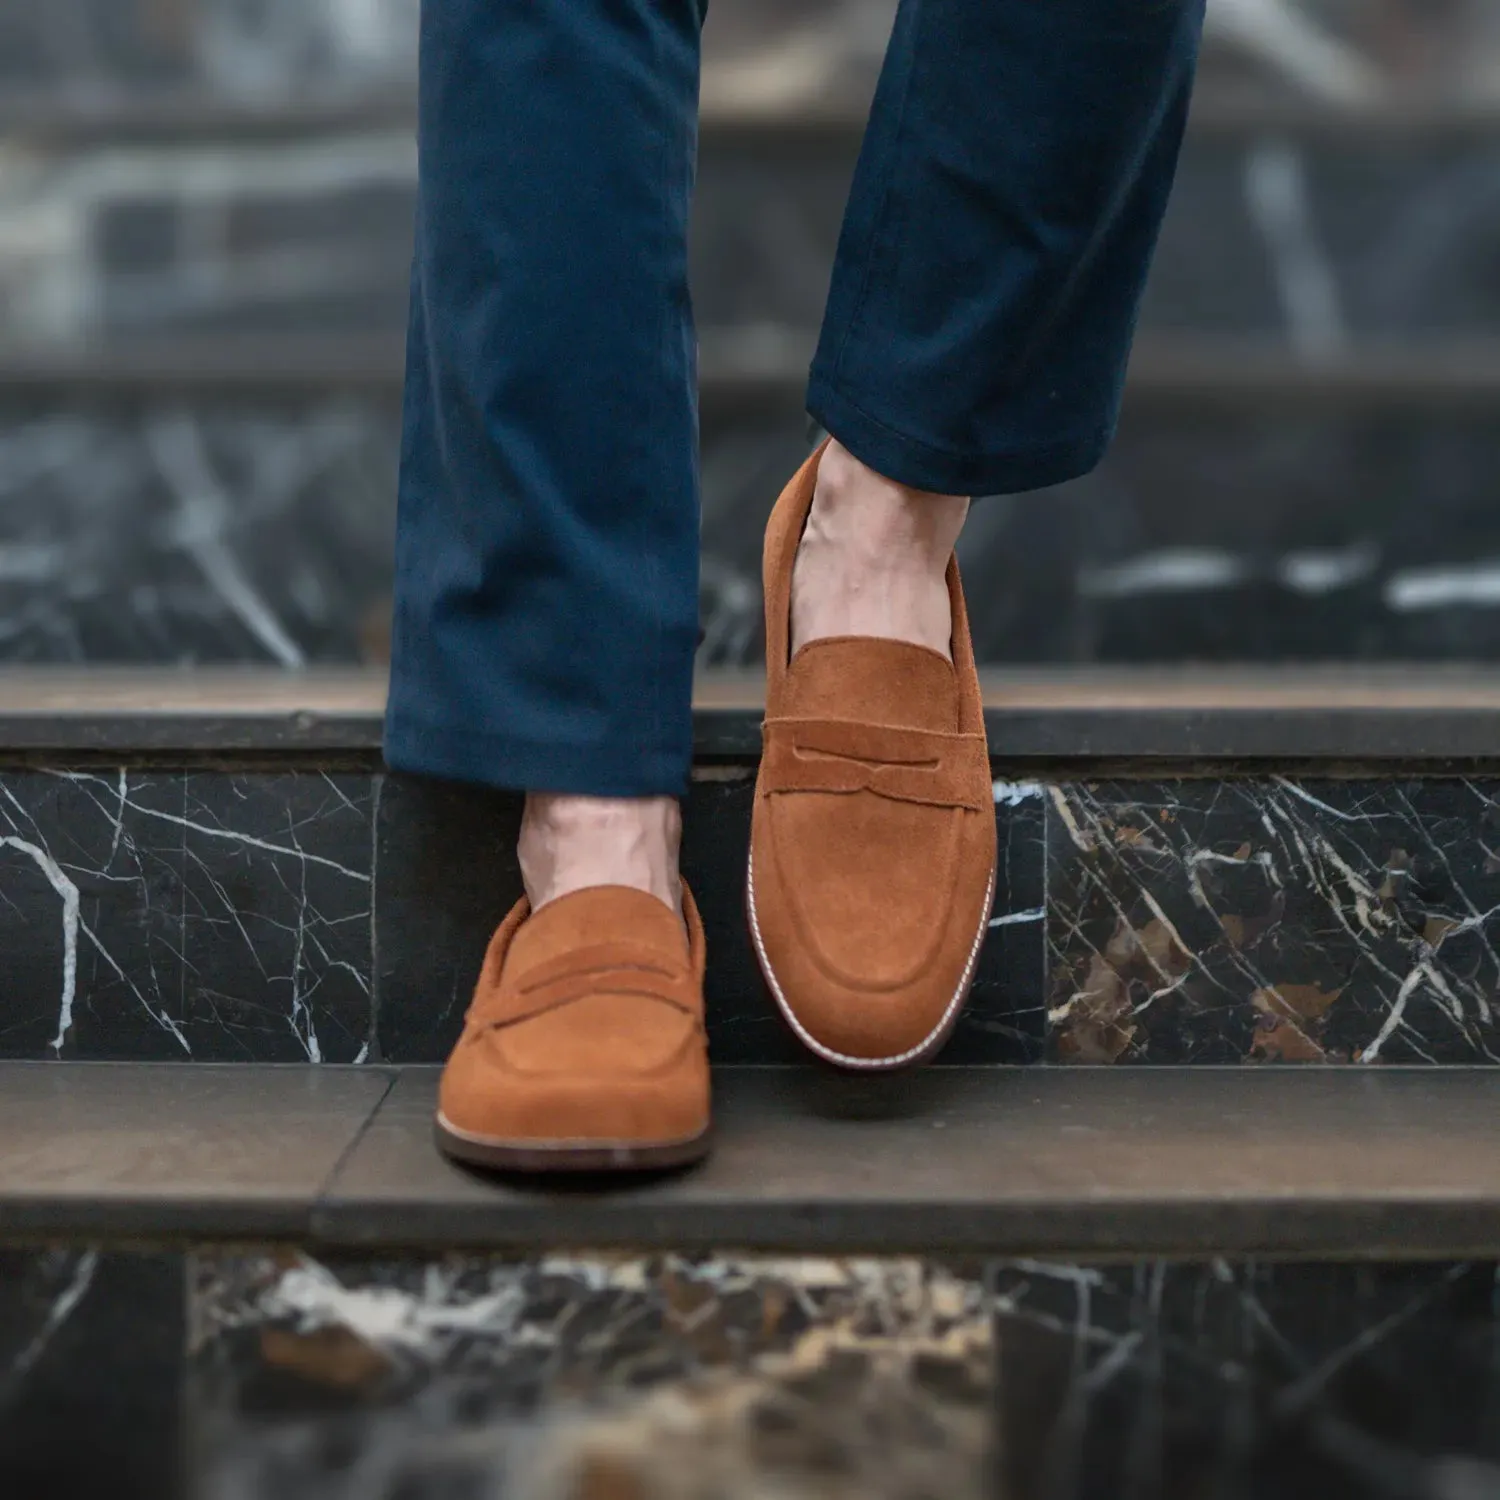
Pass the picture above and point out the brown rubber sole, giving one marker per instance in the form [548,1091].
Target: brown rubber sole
[497,1155]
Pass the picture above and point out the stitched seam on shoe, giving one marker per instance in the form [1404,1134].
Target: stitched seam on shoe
[565,972]
[505,1023]
[865,1063]
[920,767]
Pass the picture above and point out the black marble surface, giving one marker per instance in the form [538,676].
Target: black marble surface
[589,1377]
[1287,919]
[1248,1382]
[1310,240]
[91,1351]
[1284,532]
[254,914]
[180,531]
[174,915]
[1002,1022]
[1210,534]
[426,831]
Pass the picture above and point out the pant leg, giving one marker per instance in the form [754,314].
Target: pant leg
[1003,218]
[546,609]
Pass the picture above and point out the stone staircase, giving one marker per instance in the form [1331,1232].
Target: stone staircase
[1199,1203]
[235,953]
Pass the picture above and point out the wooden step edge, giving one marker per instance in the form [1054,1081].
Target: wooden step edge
[1369,714]
[1192,1162]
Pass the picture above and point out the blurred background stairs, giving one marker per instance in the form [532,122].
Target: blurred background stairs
[204,240]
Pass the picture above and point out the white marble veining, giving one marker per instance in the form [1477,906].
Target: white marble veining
[218,909]
[1275,918]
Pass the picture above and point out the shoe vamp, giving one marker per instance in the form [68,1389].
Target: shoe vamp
[870,881]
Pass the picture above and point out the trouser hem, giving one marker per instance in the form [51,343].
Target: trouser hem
[921,466]
[614,768]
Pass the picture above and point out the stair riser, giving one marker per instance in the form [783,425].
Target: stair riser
[269,1376]
[1232,531]
[92,1342]
[1224,531]
[273,914]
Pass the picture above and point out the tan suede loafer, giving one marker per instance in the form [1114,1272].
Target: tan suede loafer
[872,847]
[584,1049]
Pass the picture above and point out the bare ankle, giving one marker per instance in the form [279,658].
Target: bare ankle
[874,557]
[571,843]
[876,522]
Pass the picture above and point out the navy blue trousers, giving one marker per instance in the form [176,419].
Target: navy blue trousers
[1004,211]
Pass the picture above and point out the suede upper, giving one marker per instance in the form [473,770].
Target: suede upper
[873,837]
[586,1027]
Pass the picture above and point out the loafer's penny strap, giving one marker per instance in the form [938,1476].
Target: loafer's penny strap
[843,756]
[608,968]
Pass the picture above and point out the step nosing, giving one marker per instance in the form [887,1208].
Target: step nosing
[1308,714]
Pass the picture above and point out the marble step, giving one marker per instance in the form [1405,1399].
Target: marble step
[1187,1162]
[1202,868]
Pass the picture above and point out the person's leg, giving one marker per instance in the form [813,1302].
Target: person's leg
[1014,175]
[547,558]
[546,609]
[1004,212]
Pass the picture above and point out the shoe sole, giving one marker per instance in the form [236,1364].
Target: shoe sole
[926,1049]
[500,1155]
